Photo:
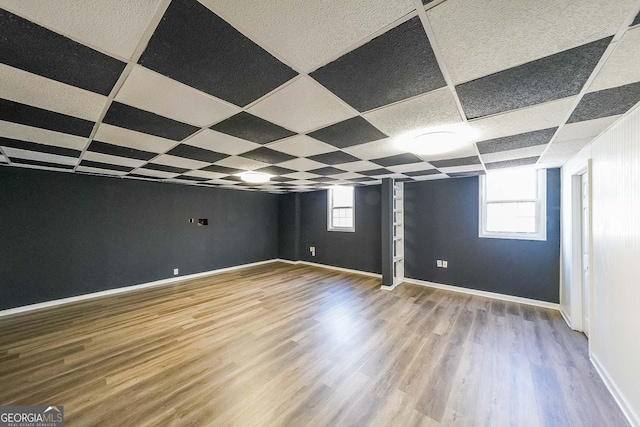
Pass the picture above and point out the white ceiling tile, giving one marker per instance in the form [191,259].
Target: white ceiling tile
[221,142]
[87,169]
[542,116]
[567,147]
[457,169]
[412,167]
[223,182]
[241,163]
[302,106]
[2,159]
[465,151]
[112,25]
[150,91]
[301,175]
[179,162]
[32,89]
[301,165]
[41,136]
[433,109]
[554,160]
[346,175]
[205,174]
[586,129]
[302,182]
[308,34]
[154,173]
[302,146]
[113,160]
[362,165]
[481,37]
[429,177]
[40,157]
[374,150]
[132,139]
[519,153]
[623,66]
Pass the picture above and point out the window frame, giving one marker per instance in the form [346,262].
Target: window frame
[541,212]
[330,209]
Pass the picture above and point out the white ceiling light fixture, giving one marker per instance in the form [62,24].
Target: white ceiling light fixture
[436,141]
[255,177]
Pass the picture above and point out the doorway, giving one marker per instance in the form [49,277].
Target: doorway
[585,228]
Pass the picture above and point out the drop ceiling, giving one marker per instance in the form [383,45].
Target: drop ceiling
[312,93]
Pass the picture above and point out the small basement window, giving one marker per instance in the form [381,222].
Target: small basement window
[341,208]
[513,204]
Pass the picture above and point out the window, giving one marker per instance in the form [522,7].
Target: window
[513,204]
[341,207]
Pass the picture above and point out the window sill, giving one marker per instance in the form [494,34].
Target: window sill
[514,236]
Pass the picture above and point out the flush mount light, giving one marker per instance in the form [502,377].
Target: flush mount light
[431,143]
[255,177]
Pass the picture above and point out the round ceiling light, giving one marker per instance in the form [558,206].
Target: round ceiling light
[432,143]
[255,177]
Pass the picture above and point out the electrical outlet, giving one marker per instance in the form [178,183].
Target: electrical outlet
[175,271]
[439,263]
[444,264]
[313,250]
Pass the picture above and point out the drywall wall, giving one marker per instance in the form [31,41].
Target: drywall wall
[65,234]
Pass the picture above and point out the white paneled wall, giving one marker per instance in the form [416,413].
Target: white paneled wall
[613,160]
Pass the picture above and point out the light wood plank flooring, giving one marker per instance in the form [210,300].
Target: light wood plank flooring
[296,345]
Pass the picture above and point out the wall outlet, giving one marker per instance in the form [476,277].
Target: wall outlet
[313,250]
[175,271]
[439,263]
[444,264]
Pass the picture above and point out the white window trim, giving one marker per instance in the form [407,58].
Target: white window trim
[541,213]
[330,207]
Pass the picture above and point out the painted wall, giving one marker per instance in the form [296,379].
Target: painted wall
[65,235]
[441,222]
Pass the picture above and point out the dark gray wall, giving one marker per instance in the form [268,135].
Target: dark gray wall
[289,226]
[65,235]
[359,250]
[441,222]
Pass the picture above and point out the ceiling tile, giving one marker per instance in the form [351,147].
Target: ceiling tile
[243,163]
[2,159]
[302,106]
[543,116]
[397,65]
[39,164]
[566,147]
[512,163]
[113,25]
[398,159]
[222,170]
[433,109]
[463,161]
[412,167]
[205,174]
[358,166]
[36,117]
[164,168]
[40,156]
[334,158]
[553,77]
[196,47]
[350,132]
[266,155]
[423,172]
[344,176]
[33,48]
[150,91]
[117,150]
[147,171]
[465,151]
[128,117]
[302,175]
[462,169]
[585,129]
[377,172]
[113,160]
[41,148]
[481,37]
[195,153]
[622,66]
[301,165]
[465,174]
[301,146]
[375,150]
[132,139]
[247,126]
[607,102]
[519,153]
[539,137]
[98,167]
[179,162]
[276,171]
[41,136]
[329,170]
[220,142]
[31,89]
[636,21]
[308,33]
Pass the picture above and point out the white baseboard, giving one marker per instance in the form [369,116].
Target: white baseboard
[124,289]
[485,294]
[632,417]
[331,267]
[566,317]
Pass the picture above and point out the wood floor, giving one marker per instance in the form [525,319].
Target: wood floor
[296,345]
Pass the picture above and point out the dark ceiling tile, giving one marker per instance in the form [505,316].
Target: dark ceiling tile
[636,21]
[119,151]
[222,170]
[35,49]
[41,164]
[334,158]
[251,128]
[553,77]
[164,168]
[512,163]
[40,148]
[397,65]
[399,159]
[461,161]
[465,174]
[195,153]
[32,116]
[124,116]
[350,132]
[323,179]
[276,170]
[605,103]
[327,171]
[376,172]
[191,178]
[267,155]
[422,173]
[513,142]
[196,47]
[106,166]
[404,180]
[363,179]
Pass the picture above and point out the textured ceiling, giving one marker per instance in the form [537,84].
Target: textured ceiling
[313,93]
